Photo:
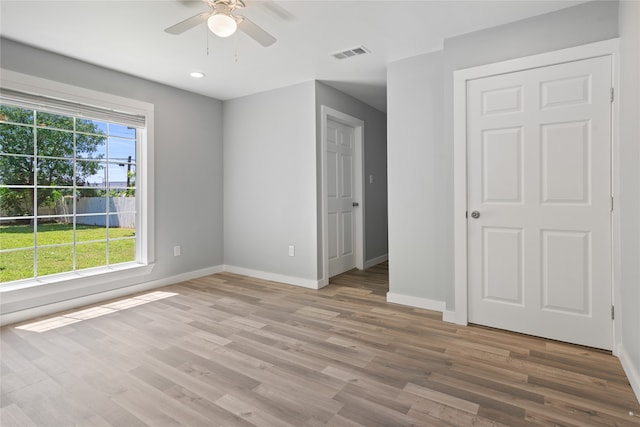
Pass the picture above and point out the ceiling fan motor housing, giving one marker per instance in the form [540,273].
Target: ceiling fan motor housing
[223,23]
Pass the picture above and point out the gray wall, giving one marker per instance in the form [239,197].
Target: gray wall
[414,105]
[271,179]
[629,303]
[413,79]
[188,160]
[375,163]
[270,182]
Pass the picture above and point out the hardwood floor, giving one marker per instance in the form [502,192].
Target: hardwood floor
[228,350]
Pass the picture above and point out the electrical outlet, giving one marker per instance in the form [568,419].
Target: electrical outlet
[292,250]
[176,251]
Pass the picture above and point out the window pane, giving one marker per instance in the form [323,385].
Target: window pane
[16,139]
[81,176]
[126,182]
[55,143]
[122,251]
[55,231]
[121,149]
[16,201]
[91,126]
[122,225]
[89,228]
[91,173]
[53,201]
[54,259]
[132,176]
[123,212]
[94,202]
[90,255]
[15,115]
[117,189]
[118,173]
[54,121]
[16,236]
[16,170]
[53,172]
[16,265]
[121,131]
[91,146]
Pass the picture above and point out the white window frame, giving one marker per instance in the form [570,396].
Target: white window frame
[13,294]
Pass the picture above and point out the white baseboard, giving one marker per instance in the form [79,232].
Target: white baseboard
[322,283]
[450,317]
[376,261]
[56,307]
[632,371]
[412,301]
[274,277]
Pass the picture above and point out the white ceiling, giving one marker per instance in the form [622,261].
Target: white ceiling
[128,36]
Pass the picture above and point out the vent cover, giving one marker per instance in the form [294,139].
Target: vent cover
[356,51]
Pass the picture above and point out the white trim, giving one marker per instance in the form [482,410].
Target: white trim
[449,316]
[460,77]
[47,309]
[327,113]
[633,375]
[73,279]
[274,277]
[419,302]
[375,261]
[616,268]
[460,196]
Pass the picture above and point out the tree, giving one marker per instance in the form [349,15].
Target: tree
[54,144]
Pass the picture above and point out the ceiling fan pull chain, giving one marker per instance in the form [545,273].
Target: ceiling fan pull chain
[206,34]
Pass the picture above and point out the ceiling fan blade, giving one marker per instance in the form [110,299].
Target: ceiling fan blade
[278,10]
[191,3]
[188,23]
[255,32]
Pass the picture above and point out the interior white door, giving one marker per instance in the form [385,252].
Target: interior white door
[340,197]
[539,189]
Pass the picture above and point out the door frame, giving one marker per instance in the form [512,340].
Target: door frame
[460,155]
[326,114]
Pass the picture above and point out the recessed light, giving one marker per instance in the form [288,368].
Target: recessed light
[196,74]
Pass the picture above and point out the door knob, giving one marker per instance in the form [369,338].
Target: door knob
[475,214]
[355,204]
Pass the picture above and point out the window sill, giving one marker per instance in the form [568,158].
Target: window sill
[129,267]
[22,294]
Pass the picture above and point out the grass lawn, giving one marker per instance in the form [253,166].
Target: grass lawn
[91,249]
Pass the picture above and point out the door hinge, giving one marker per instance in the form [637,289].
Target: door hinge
[613,313]
[612,91]
[611,203]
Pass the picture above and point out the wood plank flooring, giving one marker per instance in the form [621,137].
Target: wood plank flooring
[228,350]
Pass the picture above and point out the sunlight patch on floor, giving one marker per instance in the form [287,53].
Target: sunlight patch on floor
[93,312]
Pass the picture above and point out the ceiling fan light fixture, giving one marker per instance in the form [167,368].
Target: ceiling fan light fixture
[222,25]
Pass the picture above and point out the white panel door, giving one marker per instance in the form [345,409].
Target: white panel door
[539,188]
[340,197]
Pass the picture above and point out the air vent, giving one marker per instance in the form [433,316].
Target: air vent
[360,50]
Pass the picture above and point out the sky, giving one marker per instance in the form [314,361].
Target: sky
[120,144]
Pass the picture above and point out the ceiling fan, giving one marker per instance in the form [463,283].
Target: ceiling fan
[223,22]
